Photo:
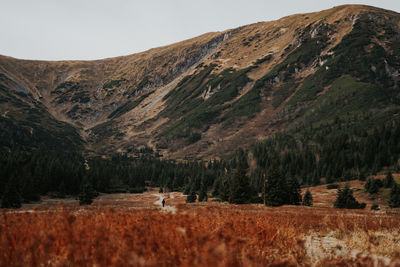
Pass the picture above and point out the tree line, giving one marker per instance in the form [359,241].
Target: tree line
[330,153]
[284,163]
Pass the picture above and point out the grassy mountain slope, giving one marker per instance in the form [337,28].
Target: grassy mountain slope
[26,124]
[204,97]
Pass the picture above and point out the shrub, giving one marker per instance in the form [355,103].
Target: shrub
[362,177]
[346,200]
[263,59]
[191,197]
[307,199]
[194,137]
[87,195]
[203,192]
[137,190]
[389,181]
[332,186]
[372,185]
[375,207]
[394,201]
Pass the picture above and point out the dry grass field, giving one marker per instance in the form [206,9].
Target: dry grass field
[324,197]
[134,230]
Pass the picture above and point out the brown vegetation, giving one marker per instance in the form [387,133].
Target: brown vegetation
[203,234]
[87,93]
[325,198]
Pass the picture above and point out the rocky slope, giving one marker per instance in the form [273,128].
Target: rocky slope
[204,97]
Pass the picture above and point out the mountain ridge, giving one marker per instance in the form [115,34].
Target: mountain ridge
[203,96]
[340,7]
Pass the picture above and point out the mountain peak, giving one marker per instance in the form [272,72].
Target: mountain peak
[204,96]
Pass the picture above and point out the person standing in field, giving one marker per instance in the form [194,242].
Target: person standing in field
[163,202]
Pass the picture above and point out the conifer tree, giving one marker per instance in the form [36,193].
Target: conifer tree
[394,200]
[176,184]
[361,176]
[274,187]
[372,185]
[388,181]
[61,190]
[307,199]
[30,192]
[203,191]
[240,190]
[224,189]
[316,180]
[294,192]
[191,197]
[188,186]
[216,186]
[11,198]
[86,195]
[346,200]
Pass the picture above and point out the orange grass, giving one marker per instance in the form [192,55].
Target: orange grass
[211,234]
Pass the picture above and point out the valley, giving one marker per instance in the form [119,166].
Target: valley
[199,233]
[273,144]
[259,80]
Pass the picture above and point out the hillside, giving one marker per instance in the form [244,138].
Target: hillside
[206,96]
[325,197]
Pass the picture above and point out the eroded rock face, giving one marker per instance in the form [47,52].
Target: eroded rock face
[12,83]
[249,74]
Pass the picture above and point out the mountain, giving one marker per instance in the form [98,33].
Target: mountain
[207,96]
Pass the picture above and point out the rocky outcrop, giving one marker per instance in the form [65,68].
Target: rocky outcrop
[121,102]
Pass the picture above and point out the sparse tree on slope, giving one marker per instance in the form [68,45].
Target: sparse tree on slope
[274,187]
[307,199]
[389,181]
[346,200]
[394,201]
[372,185]
[191,197]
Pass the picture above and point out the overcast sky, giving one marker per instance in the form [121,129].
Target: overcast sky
[94,29]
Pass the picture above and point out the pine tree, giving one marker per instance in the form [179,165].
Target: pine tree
[294,192]
[216,187]
[372,185]
[316,180]
[86,195]
[361,176]
[191,197]
[203,191]
[389,181]
[176,181]
[240,190]
[11,198]
[394,200]
[224,189]
[188,187]
[274,187]
[30,191]
[61,190]
[346,200]
[307,199]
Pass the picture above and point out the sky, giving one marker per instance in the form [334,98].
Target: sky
[95,29]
